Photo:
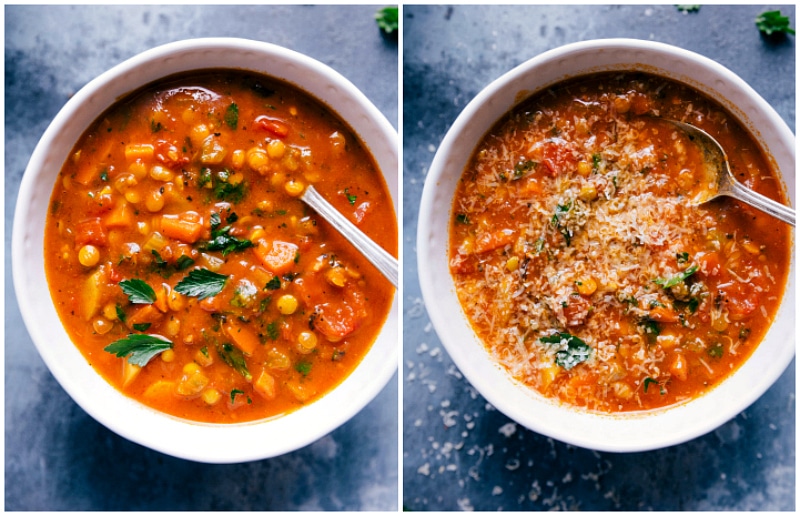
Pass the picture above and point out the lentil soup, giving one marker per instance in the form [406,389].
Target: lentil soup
[183,264]
[579,262]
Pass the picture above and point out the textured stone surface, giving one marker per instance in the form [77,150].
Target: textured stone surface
[59,458]
[460,453]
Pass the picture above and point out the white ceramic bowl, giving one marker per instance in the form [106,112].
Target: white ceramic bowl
[616,433]
[130,419]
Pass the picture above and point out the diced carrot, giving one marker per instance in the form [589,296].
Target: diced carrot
[664,314]
[278,257]
[144,315]
[178,228]
[679,367]
[121,216]
[265,385]
[493,240]
[91,231]
[709,263]
[243,337]
[161,298]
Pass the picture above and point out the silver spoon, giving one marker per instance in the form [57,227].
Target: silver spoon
[720,178]
[382,260]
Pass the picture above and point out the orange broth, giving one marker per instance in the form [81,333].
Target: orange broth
[184,266]
[579,262]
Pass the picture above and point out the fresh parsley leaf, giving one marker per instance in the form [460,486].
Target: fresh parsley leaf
[138,348]
[462,218]
[678,278]
[235,359]
[576,350]
[773,22]
[388,19]
[682,258]
[232,116]
[142,326]
[138,291]
[273,284]
[201,283]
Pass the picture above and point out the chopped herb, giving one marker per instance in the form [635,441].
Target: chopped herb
[232,116]
[273,284]
[235,359]
[205,178]
[104,175]
[744,333]
[222,240]
[462,218]
[184,262]
[350,198]
[687,9]
[244,295]
[651,328]
[272,330]
[303,368]
[577,350]
[138,291]
[716,351]
[648,381]
[678,278]
[120,313]
[388,19]
[522,167]
[201,283]
[338,354]
[225,191]
[138,348]
[155,126]
[596,158]
[773,22]
[682,258]
[204,351]
[234,392]
[142,326]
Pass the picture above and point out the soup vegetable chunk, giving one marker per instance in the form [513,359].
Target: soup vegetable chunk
[580,263]
[186,269]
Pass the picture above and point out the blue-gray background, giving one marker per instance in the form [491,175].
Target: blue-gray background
[56,456]
[460,453]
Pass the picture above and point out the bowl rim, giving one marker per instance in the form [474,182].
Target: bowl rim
[236,442]
[611,432]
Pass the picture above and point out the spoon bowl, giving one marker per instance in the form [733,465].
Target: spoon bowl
[382,260]
[720,180]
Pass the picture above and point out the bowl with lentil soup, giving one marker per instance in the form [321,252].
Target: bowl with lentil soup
[196,305]
[575,286]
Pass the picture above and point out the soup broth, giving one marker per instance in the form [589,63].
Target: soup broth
[184,266]
[580,263]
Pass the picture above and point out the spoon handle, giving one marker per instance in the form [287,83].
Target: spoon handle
[762,203]
[381,259]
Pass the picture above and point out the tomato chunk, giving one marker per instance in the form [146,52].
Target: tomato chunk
[272,125]
[91,231]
